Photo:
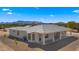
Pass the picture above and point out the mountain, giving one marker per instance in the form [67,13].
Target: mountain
[22,22]
[27,22]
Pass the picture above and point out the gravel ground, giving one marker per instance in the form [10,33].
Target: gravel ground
[8,44]
[73,46]
[4,47]
[21,46]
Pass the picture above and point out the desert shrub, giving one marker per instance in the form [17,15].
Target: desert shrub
[16,42]
[5,36]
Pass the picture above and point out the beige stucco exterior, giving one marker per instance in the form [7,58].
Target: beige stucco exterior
[41,36]
[43,41]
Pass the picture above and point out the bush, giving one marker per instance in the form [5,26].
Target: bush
[5,35]
[16,42]
[78,30]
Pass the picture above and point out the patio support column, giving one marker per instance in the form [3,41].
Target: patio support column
[60,36]
[43,37]
[70,33]
[53,38]
[31,36]
[36,37]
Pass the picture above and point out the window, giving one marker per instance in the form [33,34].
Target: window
[39,37]
[13,30]
[18,33]
[64,34]
[57,36]
[29,36]
[46,36]
[33,36]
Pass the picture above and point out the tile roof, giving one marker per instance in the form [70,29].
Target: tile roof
[42,28]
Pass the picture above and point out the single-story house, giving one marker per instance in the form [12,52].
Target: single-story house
[41,34]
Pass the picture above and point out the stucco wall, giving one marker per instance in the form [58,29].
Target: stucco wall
[21,33]
[48,40]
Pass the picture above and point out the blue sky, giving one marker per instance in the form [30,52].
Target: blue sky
[43,14]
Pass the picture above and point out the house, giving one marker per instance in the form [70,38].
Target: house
[41,34]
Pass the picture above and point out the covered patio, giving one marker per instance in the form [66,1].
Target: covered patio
[46,38]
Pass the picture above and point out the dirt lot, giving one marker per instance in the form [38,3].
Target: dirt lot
[20,46]
[7,44]
[4,47]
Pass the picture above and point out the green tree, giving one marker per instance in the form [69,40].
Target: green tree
[77,27]
[71,24]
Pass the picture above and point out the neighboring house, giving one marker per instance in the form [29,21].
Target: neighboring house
[41,34]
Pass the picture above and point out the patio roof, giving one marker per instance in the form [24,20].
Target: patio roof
[47,28]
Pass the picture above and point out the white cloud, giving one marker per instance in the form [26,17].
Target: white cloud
[6,9]
[51,15]
[76,11]
[9,13]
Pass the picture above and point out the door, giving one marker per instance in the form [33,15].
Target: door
[25,38]
[57,36]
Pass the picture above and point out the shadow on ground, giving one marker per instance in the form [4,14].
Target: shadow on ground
[54,46]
